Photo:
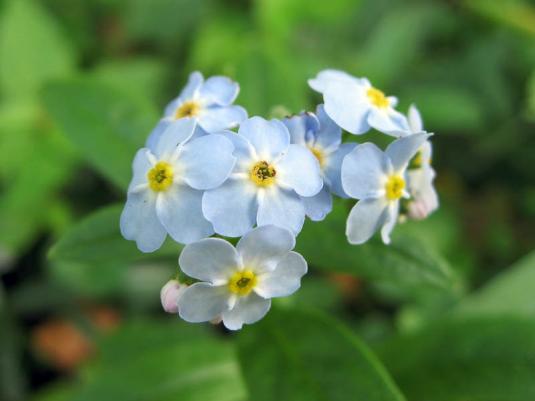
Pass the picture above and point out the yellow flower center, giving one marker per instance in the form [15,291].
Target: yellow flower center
[318,154]
[394,187]
[242,283]
[160,176]
[263,174]
[189,108]
[378,98]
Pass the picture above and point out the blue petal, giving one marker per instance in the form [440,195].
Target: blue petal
[281,208]
[391,219]
[415,119]
[140,167]
[363,170]
[247,310]
[300,170]
[346,105]
[202,302]
[180,212]
[195,81]
[219,90]
[366,217]
[332,171]
[402,150]
[175,133]
[207,161]
[328,76]
[231,208]
[156,133]
[319,206]
[285,279]
[269,138]
[329,135]
[388,122]
[216,118]
[300,125]
[140,223]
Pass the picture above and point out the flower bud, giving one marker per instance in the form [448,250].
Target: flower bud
[169,295]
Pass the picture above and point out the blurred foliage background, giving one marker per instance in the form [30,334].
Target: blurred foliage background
[445,313]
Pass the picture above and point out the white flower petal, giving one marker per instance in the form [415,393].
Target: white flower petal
[329,134]
[389,122]
[202,302]
[391,220]
[218,118]
[269,138]
[281,208]
[265,244]
[174,134]
[156,133]
[333,169]
[219,90]
[180,211]
[211,259]
[300,170]
[317,207]
[346,104]
[285,279]
[207,161]
[366,217]
[326,77]
[140,167]
[363,170]
[415,119]
[140,223]
[300,125]
[232,207]
[249,309]
[402,150]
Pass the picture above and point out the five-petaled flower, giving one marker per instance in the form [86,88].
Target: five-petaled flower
[208,102]
[323,138]
[355,105]
[237,284]
[267,183]
[165,193]
[378,179]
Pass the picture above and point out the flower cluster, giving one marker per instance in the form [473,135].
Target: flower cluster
[197,177]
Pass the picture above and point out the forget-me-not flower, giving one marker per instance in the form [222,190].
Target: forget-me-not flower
[267,183]
[323,138]
[237,284]
[424,198]
[379,180]
[207,102]
[355,105]
[165,193]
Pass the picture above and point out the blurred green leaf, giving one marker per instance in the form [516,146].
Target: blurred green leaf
[106,125]
[488,359]
[517,14]
[407,261]
[94,258]
[160,362]
[298,355]
[511,293]
[32,49]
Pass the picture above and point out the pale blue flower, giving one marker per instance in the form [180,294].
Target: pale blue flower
[268,181]
[424,198]
[318,133]
[165,194]
[378,179]
[208,102]
[237,284]
[355,105]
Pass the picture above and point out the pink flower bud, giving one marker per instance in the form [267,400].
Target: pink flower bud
[169,295]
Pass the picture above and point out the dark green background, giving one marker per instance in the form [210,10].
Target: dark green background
[446,312]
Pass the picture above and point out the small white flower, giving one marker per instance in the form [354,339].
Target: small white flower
[378,179]
[237,284]
[355,105]
[424,198]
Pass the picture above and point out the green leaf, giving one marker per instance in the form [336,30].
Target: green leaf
[106,125]
[32,50]
[489,359]
[405,262]
[297,355]
[511,293]
[94,258]
[160,362]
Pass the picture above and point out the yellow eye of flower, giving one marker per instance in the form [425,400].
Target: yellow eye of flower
[318,153]
[160,176]
[394,187]
[263,174]
[378,98]
[189,108]
[242,283]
